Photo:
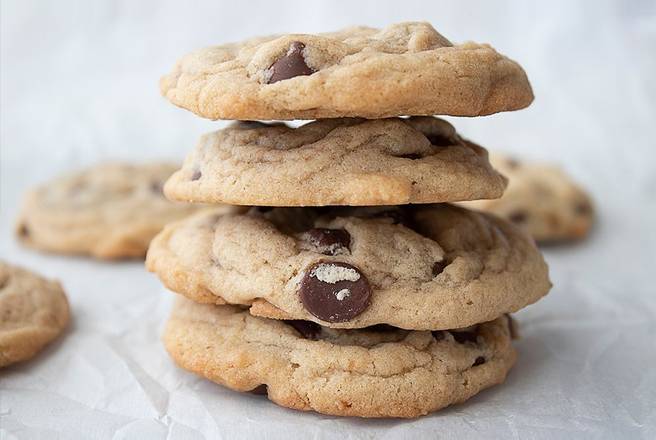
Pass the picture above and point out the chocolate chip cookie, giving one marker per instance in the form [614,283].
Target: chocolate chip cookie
[336,162]
[541,199]
[425,267]
[111,210]
[404,69]
[33,312]
[379,371]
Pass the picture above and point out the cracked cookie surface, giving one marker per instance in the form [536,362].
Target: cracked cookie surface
[404,69]
[33,312]
[541,199]
[111,210]
[374,372]
[425,267]
[336,162]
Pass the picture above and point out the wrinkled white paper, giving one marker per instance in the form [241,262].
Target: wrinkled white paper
[79,84]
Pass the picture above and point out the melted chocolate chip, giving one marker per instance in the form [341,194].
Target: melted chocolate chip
[290,65]
[439,266]
[518,217]
[464,337]
[479,361]
[307,329]
[439,140]
[334,291]
[197,174]
[329,241]
[438,335]
[260,390]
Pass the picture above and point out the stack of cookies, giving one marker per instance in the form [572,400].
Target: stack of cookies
[347,285]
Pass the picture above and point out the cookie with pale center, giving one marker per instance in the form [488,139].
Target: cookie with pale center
[378,371]
[336,162]
[417,267]
[404,69]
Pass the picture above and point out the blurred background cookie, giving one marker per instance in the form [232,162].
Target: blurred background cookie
[540,198]
[109,211]
[33,312]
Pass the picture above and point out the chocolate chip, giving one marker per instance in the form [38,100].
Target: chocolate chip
[439,140]
[518,217]
[329,241]
[479,361]
[290,65]
[334,291]
[196,175]
[260,390]
[464,336]
[438,335]
[307,329]
[438,267]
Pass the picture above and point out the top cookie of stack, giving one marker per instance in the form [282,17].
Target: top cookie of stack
[404,69]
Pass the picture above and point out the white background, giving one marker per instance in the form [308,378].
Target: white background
[79,84]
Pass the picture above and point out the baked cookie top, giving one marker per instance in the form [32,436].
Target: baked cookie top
[404,69]
[111,210]
[336,162]
[374,372]
[541,199]
[33,311]
[427,267]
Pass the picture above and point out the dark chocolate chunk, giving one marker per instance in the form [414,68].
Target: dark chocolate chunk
[479,361]
[329,241]
[196,175]
[464,336]
[307,329]
[260,390]
[334,291]
[438,267]
[518,217]
[290,65]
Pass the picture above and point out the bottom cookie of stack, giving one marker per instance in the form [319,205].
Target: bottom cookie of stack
[378,371]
